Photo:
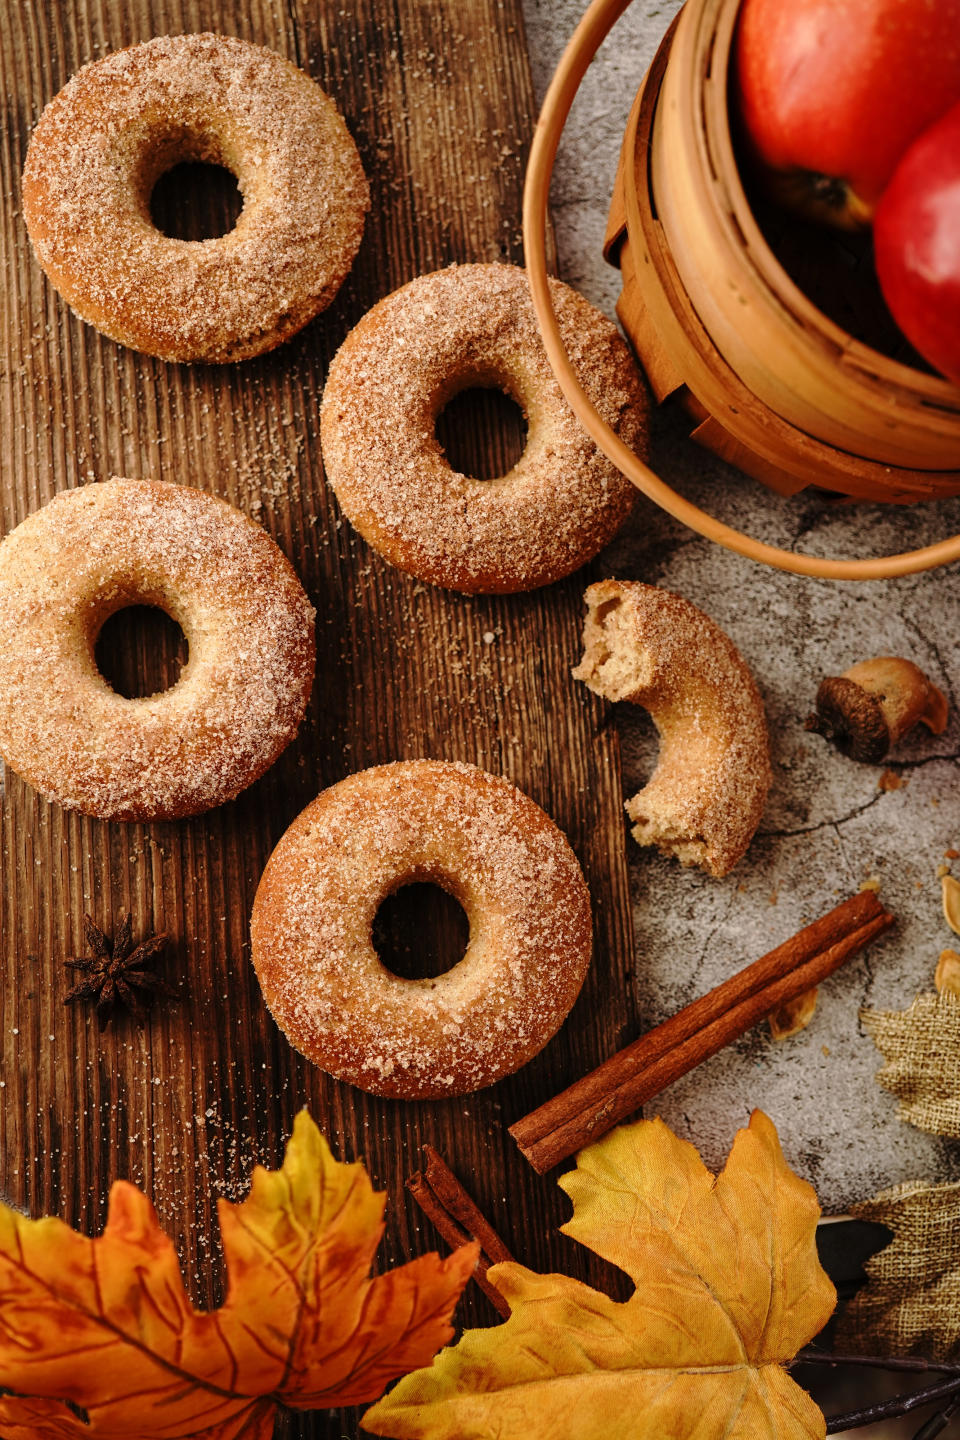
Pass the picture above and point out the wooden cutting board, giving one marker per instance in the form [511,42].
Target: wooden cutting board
[438,96]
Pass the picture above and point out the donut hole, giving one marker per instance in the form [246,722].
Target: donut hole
[420,931]
[639,745]
[482,431]
[194,200]
[141,651]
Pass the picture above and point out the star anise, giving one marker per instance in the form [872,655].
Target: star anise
[115,974]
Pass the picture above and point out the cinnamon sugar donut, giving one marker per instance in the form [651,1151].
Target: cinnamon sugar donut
[705,798]
[464,327]
[240,697]
[497,853]
[103,142]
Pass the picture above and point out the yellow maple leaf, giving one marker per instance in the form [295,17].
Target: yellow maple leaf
[98,1338]
[728,1288]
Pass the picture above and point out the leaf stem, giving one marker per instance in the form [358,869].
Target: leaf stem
[918,1364]
[897,1405]
[939,1422]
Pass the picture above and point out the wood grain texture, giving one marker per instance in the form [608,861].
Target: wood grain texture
[438,97]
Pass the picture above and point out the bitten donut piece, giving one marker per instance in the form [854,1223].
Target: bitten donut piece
[103,142]
[240,697]
[464,327]
[650,646]
[491,848]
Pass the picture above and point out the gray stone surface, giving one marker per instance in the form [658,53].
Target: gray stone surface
[828,826]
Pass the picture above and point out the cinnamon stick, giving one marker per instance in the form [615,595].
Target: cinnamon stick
[459,1219]
[618,1087]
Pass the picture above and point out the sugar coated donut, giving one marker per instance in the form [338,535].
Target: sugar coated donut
[103,142]
[497,853]
[463,327]
[240,697]
[705,798]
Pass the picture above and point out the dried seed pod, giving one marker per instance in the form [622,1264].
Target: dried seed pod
[793,1015]
[870,707]
[947,977]
[951,902]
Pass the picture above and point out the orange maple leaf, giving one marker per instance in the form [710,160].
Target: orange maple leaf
[728,1288]
[98,1338]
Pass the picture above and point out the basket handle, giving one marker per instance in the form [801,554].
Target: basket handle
[593,29]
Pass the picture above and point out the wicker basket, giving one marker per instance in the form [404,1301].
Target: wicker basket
[780,389]
[774,385]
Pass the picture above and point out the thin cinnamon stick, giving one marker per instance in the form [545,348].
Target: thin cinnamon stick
[459,1219]
[594,1104]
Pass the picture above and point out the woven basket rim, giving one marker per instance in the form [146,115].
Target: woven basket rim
[598,20]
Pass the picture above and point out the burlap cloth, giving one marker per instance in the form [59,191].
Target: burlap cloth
[911,1303]
[922,1049]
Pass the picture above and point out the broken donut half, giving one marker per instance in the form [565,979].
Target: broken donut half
[654,648]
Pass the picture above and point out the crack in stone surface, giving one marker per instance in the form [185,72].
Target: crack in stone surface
[950,758]
[707,945]
[944,672]
[834,822]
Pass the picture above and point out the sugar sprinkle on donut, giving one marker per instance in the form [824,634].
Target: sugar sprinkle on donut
[103,142]
[496,852]
[241,696]
[466,326]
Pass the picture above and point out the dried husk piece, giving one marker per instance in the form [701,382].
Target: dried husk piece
[794,1016]
[951,902]
[947,976]
[868,709]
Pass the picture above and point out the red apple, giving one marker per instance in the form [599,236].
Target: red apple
[830,93]
[916,237]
